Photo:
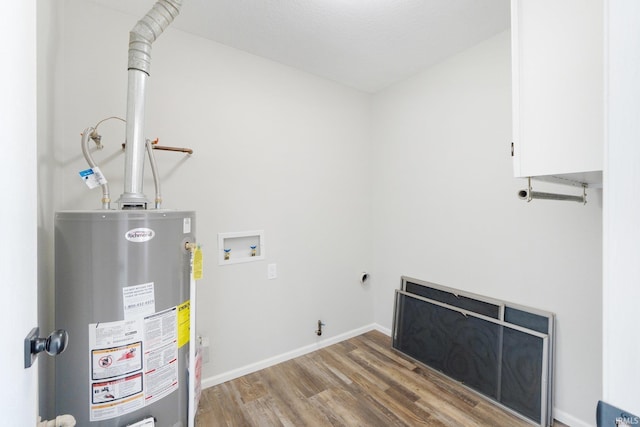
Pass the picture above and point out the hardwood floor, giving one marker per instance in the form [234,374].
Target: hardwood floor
[358,382]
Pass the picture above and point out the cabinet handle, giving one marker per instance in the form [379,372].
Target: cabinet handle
[512,149]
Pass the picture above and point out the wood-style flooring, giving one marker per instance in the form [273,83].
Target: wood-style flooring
[358,382]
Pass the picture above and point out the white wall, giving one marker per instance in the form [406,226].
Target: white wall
[19,393]
[621,293]
[274,149]
[445,210]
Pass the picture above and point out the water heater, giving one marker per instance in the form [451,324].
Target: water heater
[123,295]
[125,282]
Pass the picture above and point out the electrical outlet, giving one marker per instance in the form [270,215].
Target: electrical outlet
[272,271]
[204,342]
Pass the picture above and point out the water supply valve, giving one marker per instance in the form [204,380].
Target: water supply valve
[319,330]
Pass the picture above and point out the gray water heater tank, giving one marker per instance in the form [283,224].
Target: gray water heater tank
[122,291]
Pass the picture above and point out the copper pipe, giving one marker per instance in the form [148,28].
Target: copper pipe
[164,148]
[182,150]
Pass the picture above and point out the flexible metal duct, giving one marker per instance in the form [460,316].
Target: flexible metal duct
[143,34]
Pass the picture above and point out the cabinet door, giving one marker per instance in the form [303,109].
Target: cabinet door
[557,59]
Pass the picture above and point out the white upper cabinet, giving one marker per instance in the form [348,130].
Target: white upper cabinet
[558,96]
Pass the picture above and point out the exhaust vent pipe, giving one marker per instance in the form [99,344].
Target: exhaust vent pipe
[143,34]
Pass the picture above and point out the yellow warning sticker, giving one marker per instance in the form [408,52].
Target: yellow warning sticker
[197,264]
[184,324]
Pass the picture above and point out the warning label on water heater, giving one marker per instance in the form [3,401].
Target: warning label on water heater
[133,362]
[116,361]
[110,391]
[116,368]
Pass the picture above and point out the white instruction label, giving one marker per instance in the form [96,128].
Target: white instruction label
[186,225]
[133,362]
[138,300]
[93,177]
[116,368]
[161,354]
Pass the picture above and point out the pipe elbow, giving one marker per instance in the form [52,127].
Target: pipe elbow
[60,421]
[65,421]
[147,30]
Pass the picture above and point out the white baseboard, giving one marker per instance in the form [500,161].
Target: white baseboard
[253,367]
[382,329]
[572,421]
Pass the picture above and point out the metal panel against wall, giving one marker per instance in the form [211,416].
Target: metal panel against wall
[442,294]
[514,314]
[505,362]
[465,348]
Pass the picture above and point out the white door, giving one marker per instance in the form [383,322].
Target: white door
[18,223]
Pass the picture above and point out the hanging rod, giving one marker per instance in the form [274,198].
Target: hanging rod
[528,194]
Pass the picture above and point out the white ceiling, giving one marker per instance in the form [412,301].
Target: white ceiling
[365,44]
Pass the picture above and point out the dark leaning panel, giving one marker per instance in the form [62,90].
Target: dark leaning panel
[503,352]
[521,385]
[464,348]
[526,320]
[460,301]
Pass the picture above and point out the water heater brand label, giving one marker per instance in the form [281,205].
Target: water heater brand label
[139,235]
